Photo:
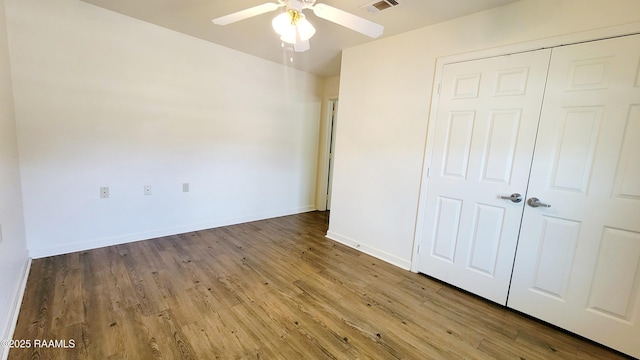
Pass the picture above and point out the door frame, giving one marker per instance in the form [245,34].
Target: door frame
[324,149]
[587,36]
[332,117]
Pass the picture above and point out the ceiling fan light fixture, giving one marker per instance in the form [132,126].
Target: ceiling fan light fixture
[293,26]
[305,29]
[288,38]
[282,23]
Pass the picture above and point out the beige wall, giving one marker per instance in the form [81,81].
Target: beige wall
[13,248]
[385,92]
[102,99]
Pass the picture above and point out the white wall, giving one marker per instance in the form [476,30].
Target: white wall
[102,99]
[13,247]
[385,92]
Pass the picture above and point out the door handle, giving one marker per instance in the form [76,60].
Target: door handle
[515,197]
[535,202]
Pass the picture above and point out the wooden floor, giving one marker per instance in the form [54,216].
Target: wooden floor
[273,289]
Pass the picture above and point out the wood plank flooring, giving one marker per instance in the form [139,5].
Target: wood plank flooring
[272,289]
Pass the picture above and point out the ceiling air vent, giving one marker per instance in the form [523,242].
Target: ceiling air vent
[381,5]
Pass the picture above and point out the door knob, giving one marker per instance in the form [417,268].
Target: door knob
[515,197]
[535,202]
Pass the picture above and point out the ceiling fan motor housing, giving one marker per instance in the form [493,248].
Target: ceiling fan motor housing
[295,5]
[298,5]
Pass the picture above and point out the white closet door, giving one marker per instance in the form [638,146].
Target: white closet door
[484,138]
[578,262]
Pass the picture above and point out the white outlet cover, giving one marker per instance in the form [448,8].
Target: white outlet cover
[185,187]
[147,189]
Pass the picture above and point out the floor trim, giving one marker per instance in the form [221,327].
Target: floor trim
[68,248]
[4,352]
[382,255]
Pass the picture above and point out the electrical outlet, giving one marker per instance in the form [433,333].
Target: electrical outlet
[104,192]
[185,187]
[147,189]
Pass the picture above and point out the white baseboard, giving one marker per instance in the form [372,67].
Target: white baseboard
[37,253]
[382,255]
[4,352]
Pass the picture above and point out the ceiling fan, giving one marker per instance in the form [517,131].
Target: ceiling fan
[295,29]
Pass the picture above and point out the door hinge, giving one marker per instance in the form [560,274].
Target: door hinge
[439,88]
[428,172]
[418,250]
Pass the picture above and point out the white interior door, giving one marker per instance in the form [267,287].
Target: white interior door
[578,262]
[485,131]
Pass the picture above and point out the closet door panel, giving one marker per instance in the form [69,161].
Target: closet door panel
[578,261]
[488,112]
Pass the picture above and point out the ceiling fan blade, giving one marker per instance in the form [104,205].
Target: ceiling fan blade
[348,20]
[301,46]
[246,13]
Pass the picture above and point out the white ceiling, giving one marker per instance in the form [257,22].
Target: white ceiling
[255,36]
